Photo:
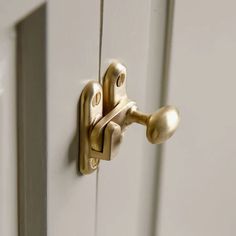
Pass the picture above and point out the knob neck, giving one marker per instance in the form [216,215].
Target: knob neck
[136,116]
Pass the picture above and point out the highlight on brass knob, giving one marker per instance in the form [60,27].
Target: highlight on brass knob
[106,111]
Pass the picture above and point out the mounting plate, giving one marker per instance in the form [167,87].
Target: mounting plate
[91,106]
[96,102]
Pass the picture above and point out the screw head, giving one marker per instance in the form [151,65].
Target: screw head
[93,163]
[96,99]
[120,79]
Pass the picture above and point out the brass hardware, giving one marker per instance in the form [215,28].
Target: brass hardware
[161,125]
[105,111]
[90,113]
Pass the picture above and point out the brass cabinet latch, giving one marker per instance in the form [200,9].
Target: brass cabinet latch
[105,111]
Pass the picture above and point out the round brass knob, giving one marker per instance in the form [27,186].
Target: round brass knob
[161,125]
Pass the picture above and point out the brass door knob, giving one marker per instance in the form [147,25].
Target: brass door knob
[161,125]
[105,111]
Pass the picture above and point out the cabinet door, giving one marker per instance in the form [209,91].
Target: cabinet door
[120,199]
[48,52]
[72,59]
[197,195]
[134,32]
[59,53]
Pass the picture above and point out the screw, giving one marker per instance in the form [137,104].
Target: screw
[93,163]
[120,79]
[96,99]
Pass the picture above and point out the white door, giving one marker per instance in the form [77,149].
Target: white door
[49,51]
[133,32]
[59,47]
[197,192]
[83,38]
[53,60]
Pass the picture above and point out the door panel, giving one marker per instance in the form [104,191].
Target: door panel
[11,12]
[73,53]
[133,32]
[197,195]
[54,198]
[186,190]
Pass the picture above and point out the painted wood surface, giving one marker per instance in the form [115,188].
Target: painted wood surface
[73,53]
[134,33]
[198,172]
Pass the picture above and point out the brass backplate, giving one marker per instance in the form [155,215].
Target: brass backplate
[99,106]
[91,107]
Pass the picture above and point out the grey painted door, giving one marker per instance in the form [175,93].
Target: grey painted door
[197,193]
[58,46]
[49,50]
